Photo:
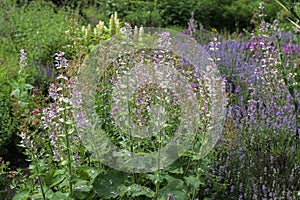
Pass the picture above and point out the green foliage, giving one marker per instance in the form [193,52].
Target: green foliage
[227,14]
[176,12]
[4,178]
[290,12]
[8,123]
[20,92]
[145,18]
[36,27]
[134,12]
[93,14]
[14,98]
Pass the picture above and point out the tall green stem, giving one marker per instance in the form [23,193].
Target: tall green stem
[39,177]
[199,171]
[68,150]
[129,120]
[155,5]
[157,184]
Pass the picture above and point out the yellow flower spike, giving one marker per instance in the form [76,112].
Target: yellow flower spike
[115,16]
[141,33]
[100,28]
[117,23]
[112,25]
[83,29]
[136,33]
[86,34]
[89,28]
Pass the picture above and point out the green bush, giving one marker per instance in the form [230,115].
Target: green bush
[134,12]
[219,14]
[145,18]
[7,122]
[36,27]
[176,12]
[15,105]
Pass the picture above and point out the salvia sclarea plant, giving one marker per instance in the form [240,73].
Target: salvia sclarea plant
[58,164]
[150,91]
[54,148]
[258,157]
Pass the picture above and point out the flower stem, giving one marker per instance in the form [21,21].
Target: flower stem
[68,152]
[38,176]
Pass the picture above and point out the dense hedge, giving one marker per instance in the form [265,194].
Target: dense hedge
[219,14]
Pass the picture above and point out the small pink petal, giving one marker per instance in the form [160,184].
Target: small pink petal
[35,111]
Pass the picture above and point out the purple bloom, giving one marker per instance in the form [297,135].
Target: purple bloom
[288,195]
[35,90]
[115,108]
[61,53]
[264,188]
[35,111]
[193,85]
[60,61]
[206,191]
[241,197]
[232,188]
[53,91]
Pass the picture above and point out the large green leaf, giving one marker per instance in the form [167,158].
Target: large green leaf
[82,189]
[60,195]
[106,185]
[193,182]
[87,173]
[136,190]
[22,195]
[174,187]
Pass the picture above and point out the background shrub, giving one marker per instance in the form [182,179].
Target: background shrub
[36,27]
[228,15]
[7,122]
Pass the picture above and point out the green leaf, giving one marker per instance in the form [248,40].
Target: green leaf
[175,187]
[82,189]
[65,162]
[57,180]
[28,87]
[175,168]
[176,194]
[23,104]
[155,178]
[22,195]
[86,172]
[60,195]
[106,184]
[136,190]
[59,171]
[83,185]
[49,193]
[16,93]
[194,182]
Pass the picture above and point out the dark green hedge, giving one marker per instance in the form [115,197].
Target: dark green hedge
[220,14]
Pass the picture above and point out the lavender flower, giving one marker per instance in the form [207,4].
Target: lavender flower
[22,60]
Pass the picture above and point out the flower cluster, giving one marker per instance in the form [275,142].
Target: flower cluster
[57,118]
[22,60]
[259,154]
